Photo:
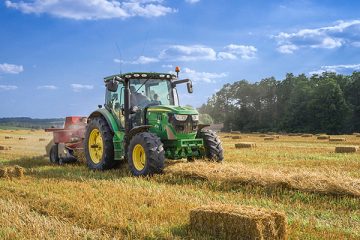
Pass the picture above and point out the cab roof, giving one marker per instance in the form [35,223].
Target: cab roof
[144,75]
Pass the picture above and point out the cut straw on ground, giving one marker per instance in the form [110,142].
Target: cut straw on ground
[236,175]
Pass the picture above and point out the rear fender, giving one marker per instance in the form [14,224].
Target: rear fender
[108,117]
[138,129]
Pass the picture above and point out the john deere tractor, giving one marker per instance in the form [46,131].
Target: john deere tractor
[143,123]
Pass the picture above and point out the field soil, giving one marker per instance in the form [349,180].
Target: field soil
[316,188]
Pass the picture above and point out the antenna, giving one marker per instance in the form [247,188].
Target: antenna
[143,49]
[119,51]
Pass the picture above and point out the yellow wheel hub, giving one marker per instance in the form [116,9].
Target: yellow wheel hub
[96,146]
[139,157]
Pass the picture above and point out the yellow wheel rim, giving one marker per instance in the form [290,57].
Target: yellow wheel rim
[139,157]
[96,148]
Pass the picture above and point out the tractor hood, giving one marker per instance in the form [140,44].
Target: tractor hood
[173,109]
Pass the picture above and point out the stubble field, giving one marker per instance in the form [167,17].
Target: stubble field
[317,189]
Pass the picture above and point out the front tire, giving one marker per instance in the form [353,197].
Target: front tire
[146,154]
[212,144]
[98,145]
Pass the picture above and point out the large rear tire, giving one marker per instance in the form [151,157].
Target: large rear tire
[212,144]
[146,154]
[98,145]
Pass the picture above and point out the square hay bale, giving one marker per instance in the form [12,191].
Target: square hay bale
[357,135]
[323,137]
[22,138]
[4,172]
[42,139]
[306,135]
[245,145]
[236,137]
[269,138]
[337,139]
[262,135]
[8,137]
[17,171]
[5,148]
[346,149]
[271,133]
[238,222]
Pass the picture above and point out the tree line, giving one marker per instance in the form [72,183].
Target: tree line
[326,103]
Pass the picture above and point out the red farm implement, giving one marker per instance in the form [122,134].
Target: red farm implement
[66,141]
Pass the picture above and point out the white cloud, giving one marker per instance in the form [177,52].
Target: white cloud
[233,51]
[79,87]
[330,37]
[187,53]
[202,76]
[226,56]
[289,48]
[139,60]
[337,68]
[47,87]
[11,68]
[192,1]
[7,87]
[92,9]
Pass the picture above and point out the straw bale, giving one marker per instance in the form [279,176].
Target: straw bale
[8,137]
[337,139]
[236,137]
[245,145]
[4,172]
[262,135]
[346,149]
[4,147]
[271,133]
[238,222]
[18,171]
[22,138]
[269,138]
[306,135]
[355,133]
[235,132]
[323,137]
[42,139]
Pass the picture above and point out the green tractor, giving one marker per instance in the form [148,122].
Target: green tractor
[142,122]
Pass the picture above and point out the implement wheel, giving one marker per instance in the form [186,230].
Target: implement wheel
[146,154]
[53,155]
[212,144]
[98,145]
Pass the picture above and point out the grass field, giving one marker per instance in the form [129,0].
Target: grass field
[317,189]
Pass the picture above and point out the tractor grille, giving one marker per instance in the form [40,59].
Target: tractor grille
[188,126]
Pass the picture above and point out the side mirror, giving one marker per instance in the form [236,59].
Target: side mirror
[112,86]
[189,87]
[133,109]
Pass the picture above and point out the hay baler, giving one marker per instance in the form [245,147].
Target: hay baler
[66,141]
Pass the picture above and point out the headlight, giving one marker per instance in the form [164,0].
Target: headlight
[195,117]
[180,117]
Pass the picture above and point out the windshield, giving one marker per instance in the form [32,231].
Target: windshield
[151,92]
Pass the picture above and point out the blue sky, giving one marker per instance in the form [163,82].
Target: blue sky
[54,54]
